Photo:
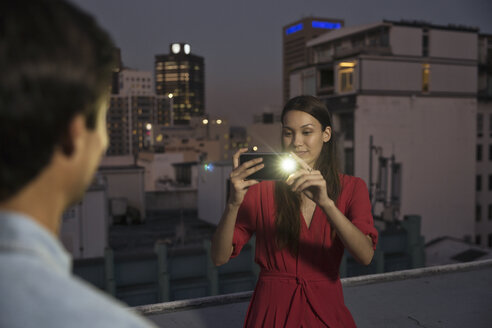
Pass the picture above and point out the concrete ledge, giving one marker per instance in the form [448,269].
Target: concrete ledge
[175,306]
[415,273]
[193,303]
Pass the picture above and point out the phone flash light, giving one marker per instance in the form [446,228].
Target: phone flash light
[288,165]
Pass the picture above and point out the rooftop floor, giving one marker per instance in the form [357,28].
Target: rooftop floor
[457,295]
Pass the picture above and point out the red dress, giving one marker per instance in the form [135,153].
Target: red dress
[304,290]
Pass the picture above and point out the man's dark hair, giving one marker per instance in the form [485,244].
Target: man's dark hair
[55,63]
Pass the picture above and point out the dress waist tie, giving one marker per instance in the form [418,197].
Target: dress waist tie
[302,290]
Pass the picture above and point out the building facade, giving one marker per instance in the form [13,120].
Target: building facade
[404,102]
[134,113]
[135,82]
[483,185]
[294,50]
[181,74]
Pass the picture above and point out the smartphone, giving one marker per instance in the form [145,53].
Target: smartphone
[278,166]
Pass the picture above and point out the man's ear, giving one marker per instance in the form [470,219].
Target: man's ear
[71,137]
[327,134]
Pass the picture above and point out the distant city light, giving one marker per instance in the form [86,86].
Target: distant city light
[326,25]
[255,148]
[170,95]
[205,121]
[294,28]
[149,126]
[175,48]
[208,167]
[187,48]
[159,138]
[219,121]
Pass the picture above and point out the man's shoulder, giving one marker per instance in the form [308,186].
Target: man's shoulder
[40,297]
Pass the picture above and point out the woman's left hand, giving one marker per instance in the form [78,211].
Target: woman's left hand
[310,182]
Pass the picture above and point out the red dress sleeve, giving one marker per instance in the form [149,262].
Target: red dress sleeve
[245,221]
[359,211]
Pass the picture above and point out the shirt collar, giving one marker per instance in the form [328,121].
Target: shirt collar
[21,233]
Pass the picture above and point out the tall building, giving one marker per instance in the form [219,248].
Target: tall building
[134,113]
[135,82]
[116,72]
[403,96]
[294,38]
[181,74]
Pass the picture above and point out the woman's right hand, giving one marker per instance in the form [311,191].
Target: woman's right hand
[239,184]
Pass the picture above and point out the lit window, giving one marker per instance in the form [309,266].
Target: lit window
[346,76]
[425,77]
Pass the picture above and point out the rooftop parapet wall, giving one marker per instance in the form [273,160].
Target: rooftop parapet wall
[456,295]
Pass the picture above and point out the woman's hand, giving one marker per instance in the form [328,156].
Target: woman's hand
[310,182]
[239,185]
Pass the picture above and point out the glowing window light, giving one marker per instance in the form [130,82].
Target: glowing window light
[294,29]
[346,64]
[326,25]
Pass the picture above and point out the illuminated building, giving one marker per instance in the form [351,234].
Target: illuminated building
[410,88]
[295,53]
[181,73]
[134,112]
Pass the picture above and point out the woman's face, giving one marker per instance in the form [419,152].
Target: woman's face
[303,135]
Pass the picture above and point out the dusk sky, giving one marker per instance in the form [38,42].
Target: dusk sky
[241,41]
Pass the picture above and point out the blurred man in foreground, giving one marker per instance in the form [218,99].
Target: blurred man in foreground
[55,71]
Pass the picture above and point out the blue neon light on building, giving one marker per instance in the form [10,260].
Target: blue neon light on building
[294,29]
[327,25]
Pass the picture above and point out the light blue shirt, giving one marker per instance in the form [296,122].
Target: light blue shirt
[37,288]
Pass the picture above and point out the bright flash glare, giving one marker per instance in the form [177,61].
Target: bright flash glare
[288,165]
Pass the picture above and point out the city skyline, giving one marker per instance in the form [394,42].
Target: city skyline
[242,42]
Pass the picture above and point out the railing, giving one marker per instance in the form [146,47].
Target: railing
[170,274]
[154,309]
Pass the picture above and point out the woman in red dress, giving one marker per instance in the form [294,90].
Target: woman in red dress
[302,226]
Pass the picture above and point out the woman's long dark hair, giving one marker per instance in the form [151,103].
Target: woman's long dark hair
[288,203]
